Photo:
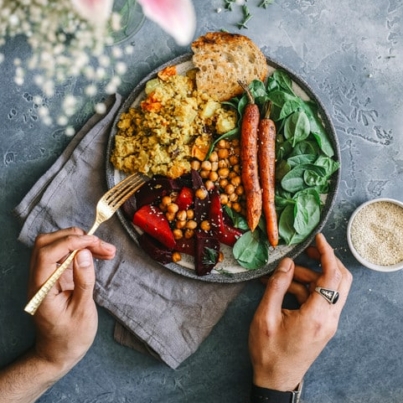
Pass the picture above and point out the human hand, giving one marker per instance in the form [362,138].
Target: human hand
[284,343]
[66,321]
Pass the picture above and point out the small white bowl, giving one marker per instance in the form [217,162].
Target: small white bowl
[364,261]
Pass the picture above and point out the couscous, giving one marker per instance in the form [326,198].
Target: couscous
[172,126]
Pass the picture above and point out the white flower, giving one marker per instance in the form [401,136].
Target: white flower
[100,108]
[95,11]
[71,38]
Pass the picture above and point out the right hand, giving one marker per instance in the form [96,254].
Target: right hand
[284,343]
[67,320]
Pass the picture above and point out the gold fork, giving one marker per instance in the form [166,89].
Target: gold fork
[106,207]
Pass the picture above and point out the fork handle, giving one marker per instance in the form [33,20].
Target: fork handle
[40,295]
[37,299]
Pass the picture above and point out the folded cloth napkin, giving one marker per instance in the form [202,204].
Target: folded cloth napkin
[156,310]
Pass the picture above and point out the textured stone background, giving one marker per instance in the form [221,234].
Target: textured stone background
[350,53]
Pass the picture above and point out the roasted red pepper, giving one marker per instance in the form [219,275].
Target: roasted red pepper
[185,198]
[225,233]
[153,221]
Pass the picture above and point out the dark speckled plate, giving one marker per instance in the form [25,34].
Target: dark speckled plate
[230,272]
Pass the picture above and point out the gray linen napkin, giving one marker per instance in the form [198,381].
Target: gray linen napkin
[156,310]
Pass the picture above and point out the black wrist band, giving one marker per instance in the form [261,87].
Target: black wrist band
[263,395]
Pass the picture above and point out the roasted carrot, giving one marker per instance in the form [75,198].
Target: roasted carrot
[267,166]
[250,172]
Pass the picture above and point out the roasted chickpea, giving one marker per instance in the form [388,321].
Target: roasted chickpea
[229,189]
[191,224]
[223,153]
[190,214]
[236,181]
[189,233]
[180,224]
[214,166]
[176,257]
[222,164]
[209,185]
[223,183]
[205,225]
[177,233]
[195,164]
[223,199]
[170,216]
[223,172]
[240,190]
[166,200]
[222,144]
[201,193]
[236,207]
[232,174]
[213,156]
[181,215]
[206,165]
[233,160]
[172,208]
[213,176]
[233,197]
[204,174]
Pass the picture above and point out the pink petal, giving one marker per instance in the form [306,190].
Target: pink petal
[95,11]
[177,17]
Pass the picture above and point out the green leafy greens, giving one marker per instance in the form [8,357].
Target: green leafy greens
[304,166]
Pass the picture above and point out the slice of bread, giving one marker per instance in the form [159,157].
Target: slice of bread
[222,59]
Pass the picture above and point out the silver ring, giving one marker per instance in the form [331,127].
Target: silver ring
[330,296]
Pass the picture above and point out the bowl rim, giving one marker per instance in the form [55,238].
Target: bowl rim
[363,261]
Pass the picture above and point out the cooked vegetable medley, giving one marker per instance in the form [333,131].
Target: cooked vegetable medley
[174,124]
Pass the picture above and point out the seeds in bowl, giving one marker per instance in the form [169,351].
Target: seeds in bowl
[377,233]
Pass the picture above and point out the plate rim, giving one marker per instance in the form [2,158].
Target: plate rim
[299,248]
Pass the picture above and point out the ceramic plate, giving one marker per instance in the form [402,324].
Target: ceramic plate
[230,272]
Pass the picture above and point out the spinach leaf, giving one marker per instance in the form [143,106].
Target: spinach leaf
[279,98]
[286,227]
[294,181]
[283,148]
[301,159]
[283,80]
[305,147]
[307,212]
[297,127]
[238,220]
[331,166]
[257,89]
[286,224]
[289,108]
[317,128]
[282,169]
[251,250]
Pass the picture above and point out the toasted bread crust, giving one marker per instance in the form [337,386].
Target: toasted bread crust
[222,59]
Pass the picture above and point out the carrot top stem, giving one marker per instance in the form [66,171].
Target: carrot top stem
[248,93]
[267,110]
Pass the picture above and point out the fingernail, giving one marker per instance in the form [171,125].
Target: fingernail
[89,237]
[84,259]
[108,246]
[284,266]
